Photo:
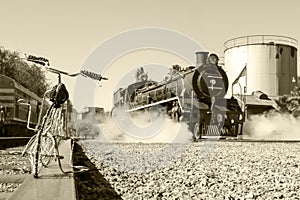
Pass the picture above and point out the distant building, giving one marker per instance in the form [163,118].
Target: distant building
[93,113]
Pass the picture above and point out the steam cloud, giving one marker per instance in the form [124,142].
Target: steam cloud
[157,127]
[273,125]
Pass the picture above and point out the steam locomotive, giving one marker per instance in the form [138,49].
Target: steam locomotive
[194,95]
[13,116]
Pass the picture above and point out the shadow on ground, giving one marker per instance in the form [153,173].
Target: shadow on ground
[90,184]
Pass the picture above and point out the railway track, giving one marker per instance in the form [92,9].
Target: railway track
[52,184]
[13,170]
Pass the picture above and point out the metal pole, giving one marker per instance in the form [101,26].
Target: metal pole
[66,118]
[242,96]
[59,78]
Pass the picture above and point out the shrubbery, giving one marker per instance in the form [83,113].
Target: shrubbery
[29,76]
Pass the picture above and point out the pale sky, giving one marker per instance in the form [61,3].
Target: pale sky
[67,32]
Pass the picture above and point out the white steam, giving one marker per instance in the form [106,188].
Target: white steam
[273,126]
[144,127]
[89,126]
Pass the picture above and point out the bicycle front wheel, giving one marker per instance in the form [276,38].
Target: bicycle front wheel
[36,164]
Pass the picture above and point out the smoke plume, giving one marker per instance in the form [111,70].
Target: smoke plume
[145,127]
[273,125]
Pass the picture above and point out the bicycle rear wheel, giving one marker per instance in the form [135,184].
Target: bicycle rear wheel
[46,149]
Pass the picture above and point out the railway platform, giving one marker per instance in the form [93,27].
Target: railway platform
[52,183]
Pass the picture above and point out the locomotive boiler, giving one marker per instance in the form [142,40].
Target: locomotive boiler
[194,95]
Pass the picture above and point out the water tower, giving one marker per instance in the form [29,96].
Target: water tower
[267,63]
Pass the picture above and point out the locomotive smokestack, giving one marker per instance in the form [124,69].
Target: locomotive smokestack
[201,58]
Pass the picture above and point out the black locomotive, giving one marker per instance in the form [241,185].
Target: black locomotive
[194,95]
[13,116]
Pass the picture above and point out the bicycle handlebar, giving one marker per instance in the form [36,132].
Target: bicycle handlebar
[45,62]
[38,60]
[92,75]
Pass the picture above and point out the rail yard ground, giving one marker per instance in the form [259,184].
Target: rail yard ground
[202,170]
[208,169]
[13,170]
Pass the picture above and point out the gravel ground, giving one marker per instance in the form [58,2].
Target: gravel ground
[90,185]
[204,170]
[13,170]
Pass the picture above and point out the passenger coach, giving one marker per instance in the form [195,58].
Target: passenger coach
[14,115]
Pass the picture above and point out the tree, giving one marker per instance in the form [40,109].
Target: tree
[172,72]
[290,103]
[28,76]
[140,75]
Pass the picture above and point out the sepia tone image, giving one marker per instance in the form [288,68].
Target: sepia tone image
[145,99]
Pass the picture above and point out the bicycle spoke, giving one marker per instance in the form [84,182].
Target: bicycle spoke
[47,149]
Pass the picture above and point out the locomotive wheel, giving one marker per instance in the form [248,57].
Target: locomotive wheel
[197,132]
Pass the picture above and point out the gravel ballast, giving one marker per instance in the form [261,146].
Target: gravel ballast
[204,170]
[13,170]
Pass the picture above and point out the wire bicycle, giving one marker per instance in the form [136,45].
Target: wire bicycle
[43,146]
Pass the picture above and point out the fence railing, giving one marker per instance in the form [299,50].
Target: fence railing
[260,39]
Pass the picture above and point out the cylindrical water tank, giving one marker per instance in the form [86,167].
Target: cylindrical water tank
[269,63]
